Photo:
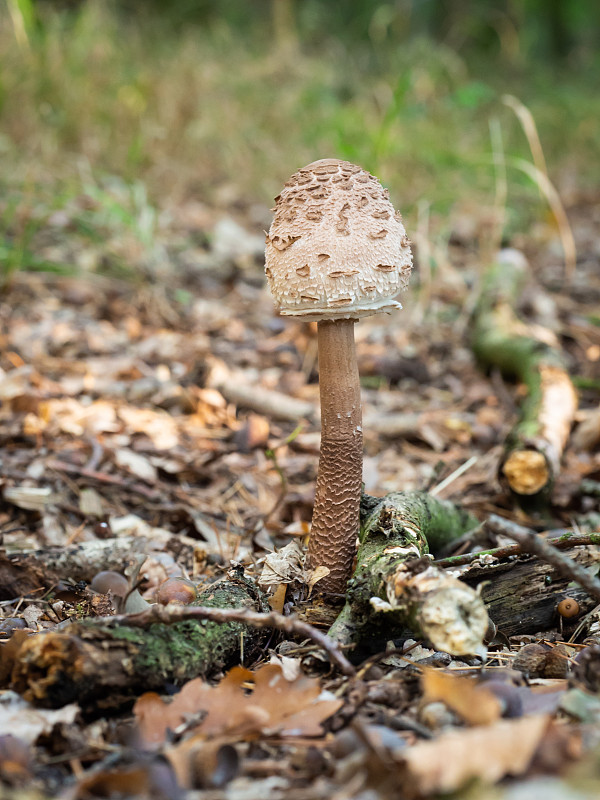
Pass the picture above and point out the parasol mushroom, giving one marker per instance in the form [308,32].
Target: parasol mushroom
[336,251]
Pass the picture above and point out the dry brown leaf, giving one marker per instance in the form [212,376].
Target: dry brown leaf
[27,723]
[488,753]
[198,763]
[156,425]
[274,706]
[475,704]
[67,415]
[277,599]
[136,464]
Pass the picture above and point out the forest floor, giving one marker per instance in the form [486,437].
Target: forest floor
[131,409]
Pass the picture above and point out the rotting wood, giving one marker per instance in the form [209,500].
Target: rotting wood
[271,619]
[395,587]
[565,542]
[528,540]
[104,664]
[521,592]
[531,355]
[80,562]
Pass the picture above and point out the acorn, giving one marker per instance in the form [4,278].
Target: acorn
[176,590]
[542,661]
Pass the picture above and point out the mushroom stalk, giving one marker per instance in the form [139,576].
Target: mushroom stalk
[335,520]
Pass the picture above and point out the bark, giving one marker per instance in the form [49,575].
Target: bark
[395,587]
[530,542]
[335,521]
[522,593]
[101,665]
[24,572]
[531,355]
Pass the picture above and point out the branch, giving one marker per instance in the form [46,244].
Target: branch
[170,614]
[529,541]
[565,542]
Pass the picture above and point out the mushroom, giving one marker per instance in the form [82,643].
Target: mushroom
[336,251]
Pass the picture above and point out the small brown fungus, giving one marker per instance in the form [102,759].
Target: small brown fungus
[568,607]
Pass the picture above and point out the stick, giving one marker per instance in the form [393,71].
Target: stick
[167,615]
[564,542]
[528,540]
[530,354]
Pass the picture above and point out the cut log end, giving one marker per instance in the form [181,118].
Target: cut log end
[450,614]
[527,472]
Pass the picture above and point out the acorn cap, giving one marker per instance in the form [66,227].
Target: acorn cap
[336,248]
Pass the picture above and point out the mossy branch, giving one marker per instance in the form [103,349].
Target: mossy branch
[98,663]
[395,587]
[530,354]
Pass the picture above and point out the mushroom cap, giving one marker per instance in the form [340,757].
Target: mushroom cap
[336,248]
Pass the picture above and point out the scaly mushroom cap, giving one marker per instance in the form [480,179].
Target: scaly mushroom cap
[336,248]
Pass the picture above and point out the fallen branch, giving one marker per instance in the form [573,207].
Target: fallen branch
[395,587]
[530,541]
[530,354]
[24,572]
[104,662]
[265,401]
[565,542]
[168,615]
[522,592]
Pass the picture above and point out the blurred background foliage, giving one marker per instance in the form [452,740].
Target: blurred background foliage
[221,100]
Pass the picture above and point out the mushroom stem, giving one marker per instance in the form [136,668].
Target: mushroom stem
[336,512]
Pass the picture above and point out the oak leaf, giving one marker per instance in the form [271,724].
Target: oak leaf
[243,705]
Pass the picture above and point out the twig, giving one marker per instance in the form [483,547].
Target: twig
[457,472]
[167,615]
[529,541]
[265,401]
[564,542]
[103,477]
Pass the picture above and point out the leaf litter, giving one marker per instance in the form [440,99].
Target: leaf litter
[177,424]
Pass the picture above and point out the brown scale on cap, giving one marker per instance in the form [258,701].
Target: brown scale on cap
[336,251]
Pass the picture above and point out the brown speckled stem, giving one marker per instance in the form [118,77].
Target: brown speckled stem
[336,513]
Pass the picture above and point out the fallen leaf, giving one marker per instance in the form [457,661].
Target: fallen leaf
[157,425]
[277,599]
[283,566]
[475,704]
[27,723]
[29,497]
[488,753]
[200,764]
[318,574]
[136,464]
[275,706]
